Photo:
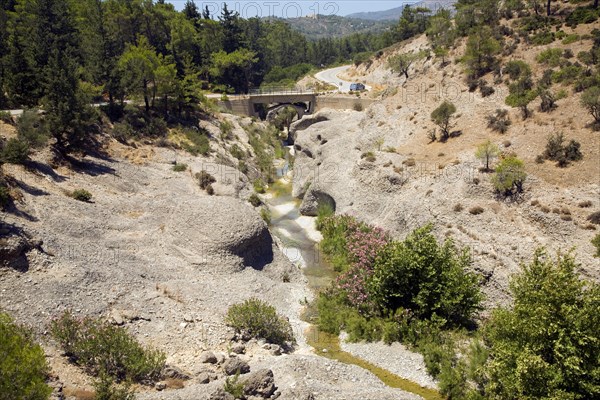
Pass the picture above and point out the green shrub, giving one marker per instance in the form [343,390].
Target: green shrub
[6,117]
[567,74]
[81,195]
[15,151]
[442,116]
[233,386]
[517,69]
[324,211]
[255,200]
[572,38]
[199,142]
[547,341]
[590,99]
[499,121]
[368,156]
[596,243]
[237,152]
[179,167]
[242,167]
[204,179]
[551,57]
[542,38]
[107,389]
[563,155]
[32,129]
[226,128]
[259,320]
[106,349]
[510,176]
[23,367]
[259,186]
[582,15]
[426,278]
[266,144]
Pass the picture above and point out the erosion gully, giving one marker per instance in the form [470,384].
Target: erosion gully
[300,241]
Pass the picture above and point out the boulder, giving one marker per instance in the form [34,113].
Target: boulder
[313,199]
[260,383]
[173,372]
[221,394]
[234,365]
[208,357]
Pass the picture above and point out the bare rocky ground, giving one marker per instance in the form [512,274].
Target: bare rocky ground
[156,254]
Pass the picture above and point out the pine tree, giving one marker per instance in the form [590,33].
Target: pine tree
[58,55]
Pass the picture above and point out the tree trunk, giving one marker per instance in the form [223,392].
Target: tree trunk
[548,7]
[596,4]
[146,100]
[406,73]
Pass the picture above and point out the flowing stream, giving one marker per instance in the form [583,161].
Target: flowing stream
[300,240]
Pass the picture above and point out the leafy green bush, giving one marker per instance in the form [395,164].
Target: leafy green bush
[542,38]
[106,349]
[205,179]
[582,15]
[556,151]
[106,389]
[442,116]
[596,243]
[266,144]
[547,343]
[259,186]
[259,320]
[570,39]
[426,278]
[15,151]
[517,69]
[23,368]
[567,74]
[255,200]
[226,128]
[179,167]
[81,195]
[590,99]
[510,176]
[32,129]
[552,57]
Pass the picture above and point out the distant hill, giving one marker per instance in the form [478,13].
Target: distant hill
[394,14]
[331,26]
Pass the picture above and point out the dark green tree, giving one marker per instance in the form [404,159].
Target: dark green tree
[58,55]
[230,22]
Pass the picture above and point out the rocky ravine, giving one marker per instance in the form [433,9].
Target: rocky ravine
[399,194]
[156,254]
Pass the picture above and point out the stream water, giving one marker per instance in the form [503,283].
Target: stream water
[300,240]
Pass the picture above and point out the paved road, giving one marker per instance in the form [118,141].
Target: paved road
[331,76]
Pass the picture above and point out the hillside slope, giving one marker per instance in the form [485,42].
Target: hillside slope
[413,182]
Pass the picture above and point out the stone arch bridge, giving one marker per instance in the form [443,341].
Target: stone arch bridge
[259,103]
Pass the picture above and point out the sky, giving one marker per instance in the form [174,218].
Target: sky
[295,8]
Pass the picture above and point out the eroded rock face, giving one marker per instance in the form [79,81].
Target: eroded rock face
[304,123]
[225,226]
[313,199]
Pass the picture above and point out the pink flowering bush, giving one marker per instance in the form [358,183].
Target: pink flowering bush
[352,246]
